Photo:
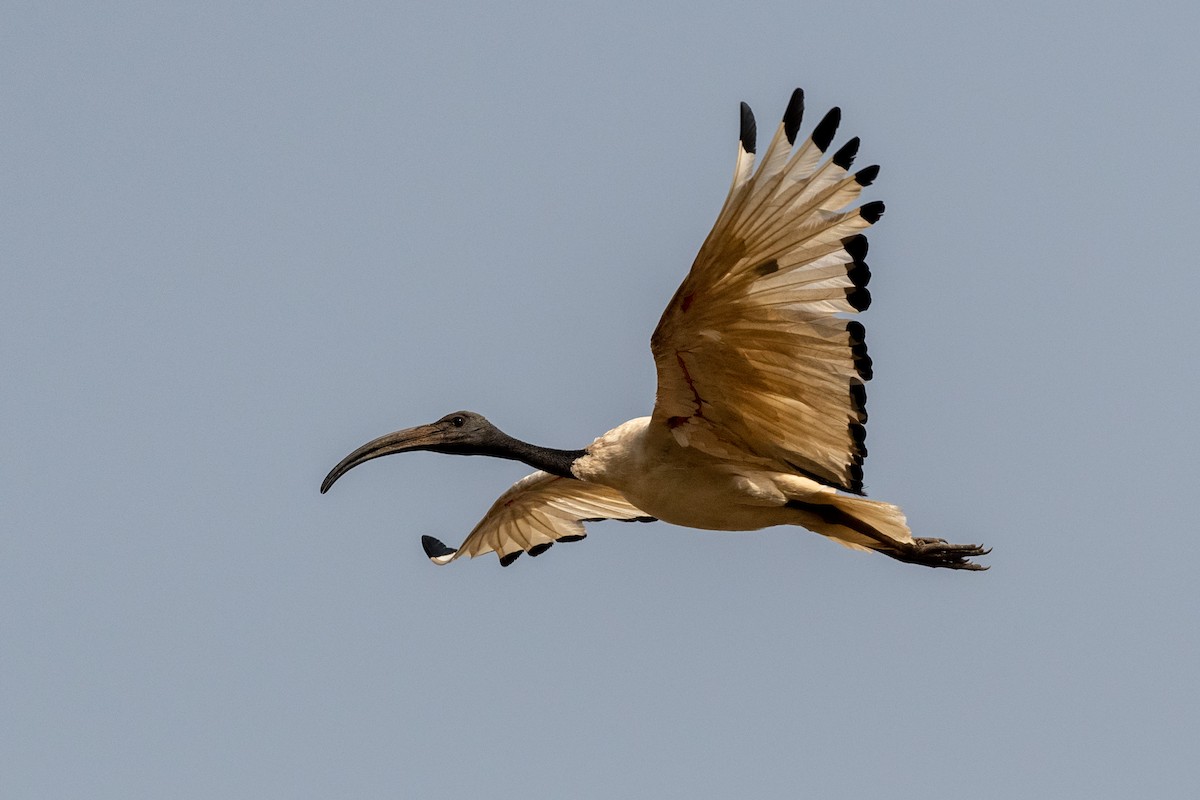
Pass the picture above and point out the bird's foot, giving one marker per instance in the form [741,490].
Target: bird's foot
[940,553]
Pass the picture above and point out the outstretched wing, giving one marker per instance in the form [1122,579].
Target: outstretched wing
[535,512]
[751,355]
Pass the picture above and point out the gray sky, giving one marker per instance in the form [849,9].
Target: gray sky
[239,242]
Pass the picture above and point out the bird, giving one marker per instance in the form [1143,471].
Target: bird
[760,411]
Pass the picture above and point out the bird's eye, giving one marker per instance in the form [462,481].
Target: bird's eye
[458,422]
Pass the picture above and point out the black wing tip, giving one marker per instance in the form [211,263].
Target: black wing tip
[855,471]
[793,116]
[844,157]
[749,131]
[858,350]
[858,435]
[864,366]
[538,549]
[856,246]
[859,298]
[860,274]
[872,211]
[867,175]
[822,135]
[436,548]
[573,537]
[858,401]
[511,557]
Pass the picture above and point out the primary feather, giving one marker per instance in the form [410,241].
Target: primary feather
[751,352]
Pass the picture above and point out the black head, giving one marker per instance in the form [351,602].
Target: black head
[463,430]
[461,433]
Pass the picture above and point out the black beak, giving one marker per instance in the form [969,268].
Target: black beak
[422,437]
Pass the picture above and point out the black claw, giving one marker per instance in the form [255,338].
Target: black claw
[940,553]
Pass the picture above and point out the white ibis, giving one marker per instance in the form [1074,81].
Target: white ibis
[759,415]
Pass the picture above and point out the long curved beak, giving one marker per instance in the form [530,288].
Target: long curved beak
[421,437]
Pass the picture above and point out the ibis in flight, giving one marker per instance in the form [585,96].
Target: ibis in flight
[760,411]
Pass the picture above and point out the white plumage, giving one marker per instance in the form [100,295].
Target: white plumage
[539,510]
[759,414]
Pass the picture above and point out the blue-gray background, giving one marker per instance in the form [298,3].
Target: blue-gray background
[239,240]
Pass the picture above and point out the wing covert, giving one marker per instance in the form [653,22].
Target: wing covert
[533,514]
[752,355]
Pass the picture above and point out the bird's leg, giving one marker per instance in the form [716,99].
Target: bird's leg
[938,553]
[927,552]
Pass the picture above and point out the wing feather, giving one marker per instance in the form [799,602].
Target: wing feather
[752,356]
[533,514]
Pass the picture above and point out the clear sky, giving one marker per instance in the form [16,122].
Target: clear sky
[239,240]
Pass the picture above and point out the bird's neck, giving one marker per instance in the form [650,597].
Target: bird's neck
[547,459]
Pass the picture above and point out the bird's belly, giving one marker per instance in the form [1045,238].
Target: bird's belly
[708,498]
[685,486]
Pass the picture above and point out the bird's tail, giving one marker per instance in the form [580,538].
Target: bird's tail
[856,522]
[863,524]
